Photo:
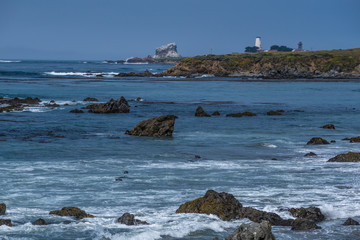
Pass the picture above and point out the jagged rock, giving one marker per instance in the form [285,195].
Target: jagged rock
[90,99]
[2,208]
[77,111]
[350,222]
[317,141]
[355,139]
[333,141]
[129,219]
[271,113]
[6,222]
[310,154]
[346,157]
[311,213]
[301,224]
[113,106]
[216,113]
[146,73]
[328,126]
[258,216]
[162,126]
[252,231]
[223,205]
[167,51]
[17,104]
[73,212]
[200,112]
[39,222]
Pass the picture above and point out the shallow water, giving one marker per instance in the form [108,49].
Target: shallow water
[50,158]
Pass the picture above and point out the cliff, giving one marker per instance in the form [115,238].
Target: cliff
[309,64]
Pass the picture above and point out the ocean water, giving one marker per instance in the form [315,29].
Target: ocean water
[50,158]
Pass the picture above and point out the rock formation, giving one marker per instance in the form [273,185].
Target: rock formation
[2,208]
[162,126]
[301,224]
[346,157]
[6,222]
[73,212]
[350,222]
[200,112]
[310,154]
[317,141]
[252,231]
[76,111]
[328,126]
[113,106]
[167,51]
[129,219]
[40,222]
[311,213]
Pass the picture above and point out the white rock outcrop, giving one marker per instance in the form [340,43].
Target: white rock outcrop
[168,50]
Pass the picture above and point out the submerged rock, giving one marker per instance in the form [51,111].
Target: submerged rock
[346,157]
[90,99]
[77,111]
[252,231]
[271,113]
[223,205]
[162,126]
[310,154]
[73,212]
[129,219]
[216,113]
[301,224]
[200,112]
[328,126]
[2,208]
[350,222]
[113,106]
[40,222]
[311,213]
[239,114]
[248,114]
[6,222]
[317,141]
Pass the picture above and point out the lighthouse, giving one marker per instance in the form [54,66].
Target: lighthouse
[258,43]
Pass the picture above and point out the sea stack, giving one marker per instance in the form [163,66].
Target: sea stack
[167,51]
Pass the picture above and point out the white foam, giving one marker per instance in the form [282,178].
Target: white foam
[206,76]
[8,61]
[269,145]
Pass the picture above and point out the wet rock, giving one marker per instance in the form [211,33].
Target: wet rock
[274,159]
[350,222]
[129,219]
[17,104]
[162,126]
[146,73]
[90,99]
[197,157]
[113,106]
[297,110]
[317,141]
[118,179]
[252,231]
[355,139]
[6,222]
[311,213]
[77,111]
[301,224]
[200,112]
[39,222]
[328,126]
[248,114]
[223,205]
[258,216]
[216,113]
[310,154]
[126,172]
[271,113]
[239,114]
[333,141]
[2,208]
[72,212]
[346,157]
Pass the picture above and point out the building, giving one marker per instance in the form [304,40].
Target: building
[258,43]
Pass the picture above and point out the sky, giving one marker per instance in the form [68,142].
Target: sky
[118,29]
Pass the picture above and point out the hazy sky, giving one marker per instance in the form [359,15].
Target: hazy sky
[116,29]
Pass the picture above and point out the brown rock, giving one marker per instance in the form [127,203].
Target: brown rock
[40,222]
[317,141]
[200,112]
[73,212]
[350,222]
[271,113]
[90,99]
[239,114]
[301,224]
[129,219]
[346,157]
[6,222]
[258,216]
[77,111]
[112,106]
[216,113]
[311,213]
[328,126]
[248,114]
[2,208]
[252,231]
[355,139]
[162,126]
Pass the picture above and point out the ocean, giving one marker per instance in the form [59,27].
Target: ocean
[51,158]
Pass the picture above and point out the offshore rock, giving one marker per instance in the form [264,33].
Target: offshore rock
[301,224]
[2,208]
[77,111]
[17,104]
[167,51]
[223,205]
[40,222]
[346,157]
[259,216]
[6,222]
[72,212]
[310,154]
[113,106]
[252,231]
[355,139]
[272,112]
[328,126]
[90,99]
[311,213]
[350,222]
[162,126]
[200,112]
[216,113]
[129,219]
[239,114]
[317,141]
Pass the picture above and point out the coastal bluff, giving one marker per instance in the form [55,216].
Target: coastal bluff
[273,65]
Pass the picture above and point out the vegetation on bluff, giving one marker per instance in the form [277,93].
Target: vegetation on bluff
[308,64]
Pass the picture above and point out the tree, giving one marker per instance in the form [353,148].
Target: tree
[274,47]
[251,49]
[284,49]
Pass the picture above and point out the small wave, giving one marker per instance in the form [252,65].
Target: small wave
[206,76]
[136,63]
[269,145]
[83,74]
[9,61]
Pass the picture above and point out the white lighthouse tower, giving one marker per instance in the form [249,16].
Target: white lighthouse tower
[258,43]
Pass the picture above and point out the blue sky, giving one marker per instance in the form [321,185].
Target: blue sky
[116,29]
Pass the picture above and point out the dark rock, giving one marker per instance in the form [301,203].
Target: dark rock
[223,205]
[328,126]
[271,113]
[216,113]
[129,219]
[355,139]
[17,104]
[317,141]
[52,101]
[333,141]
[346,139]
[146,73]
[346,157]
[112,106]
[350,222]
[6,222]
[40,221]
[2,208]
[248,114]
[99,75]
[280,110]
[154,127]
[77,111]
[311,213]
[301,224]
[274,159]
[126,172]
[299,110]
[239,114]
[197,157]
[119,179]
[310,154]
[258,216]
[252,231]
[201,113]
[90,99]
[73,212]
